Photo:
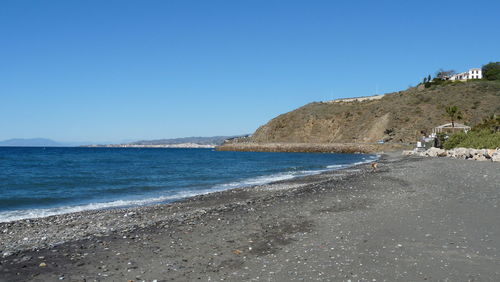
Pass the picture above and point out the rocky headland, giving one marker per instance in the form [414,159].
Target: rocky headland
[359,124]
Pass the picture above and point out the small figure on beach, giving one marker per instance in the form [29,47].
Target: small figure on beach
[374,166]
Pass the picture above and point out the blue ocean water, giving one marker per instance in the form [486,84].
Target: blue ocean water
[36,182]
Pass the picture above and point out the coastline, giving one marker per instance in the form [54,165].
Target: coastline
[180,146]
[117,219]
[408,220]
[239,182]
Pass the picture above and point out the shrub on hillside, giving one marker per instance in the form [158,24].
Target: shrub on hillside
[485,135]
[483,139]
[439,82]
[491,71]
[492,123]
[455,140]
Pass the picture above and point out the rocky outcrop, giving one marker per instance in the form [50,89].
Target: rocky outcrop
[459,153]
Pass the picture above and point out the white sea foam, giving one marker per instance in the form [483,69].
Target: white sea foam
[7,216]
[337,166]
[36,213]
[365,160]
[259,180]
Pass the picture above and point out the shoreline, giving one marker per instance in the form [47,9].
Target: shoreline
[413,219]
[145,202]
[106,216]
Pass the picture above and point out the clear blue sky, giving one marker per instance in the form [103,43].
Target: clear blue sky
[116,70]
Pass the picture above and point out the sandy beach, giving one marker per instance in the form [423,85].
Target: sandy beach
[414,219]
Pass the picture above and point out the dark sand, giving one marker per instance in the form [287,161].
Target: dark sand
[414,219]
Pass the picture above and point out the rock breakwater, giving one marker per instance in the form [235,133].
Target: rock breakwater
[459,153]
[367,148]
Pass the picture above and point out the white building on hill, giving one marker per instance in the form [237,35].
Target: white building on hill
[475,73]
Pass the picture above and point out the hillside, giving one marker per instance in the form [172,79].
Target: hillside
[396,117]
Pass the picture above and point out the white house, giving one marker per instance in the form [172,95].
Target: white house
[475,73]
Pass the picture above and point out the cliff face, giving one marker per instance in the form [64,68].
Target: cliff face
[397,117]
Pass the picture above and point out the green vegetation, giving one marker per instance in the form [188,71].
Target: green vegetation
[441,82]
[453,113]
[427,79]
[440,78]
[491,71]
[492,123]
[437,81]
[485,135]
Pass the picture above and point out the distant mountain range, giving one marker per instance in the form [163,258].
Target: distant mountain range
[44,142]
[32,142]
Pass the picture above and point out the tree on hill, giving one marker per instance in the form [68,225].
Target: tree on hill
[453,113]
[491,71]
[442,74]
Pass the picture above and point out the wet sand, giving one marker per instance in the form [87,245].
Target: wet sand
[414,219]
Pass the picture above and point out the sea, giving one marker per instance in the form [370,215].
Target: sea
[38,182]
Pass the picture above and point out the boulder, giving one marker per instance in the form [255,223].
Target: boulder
[409,153]
[435,152]
[443,153]
[461,153]
[474,154]
[479,157]
[491,152]
[496,156]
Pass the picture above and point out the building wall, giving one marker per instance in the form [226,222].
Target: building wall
[474,73]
